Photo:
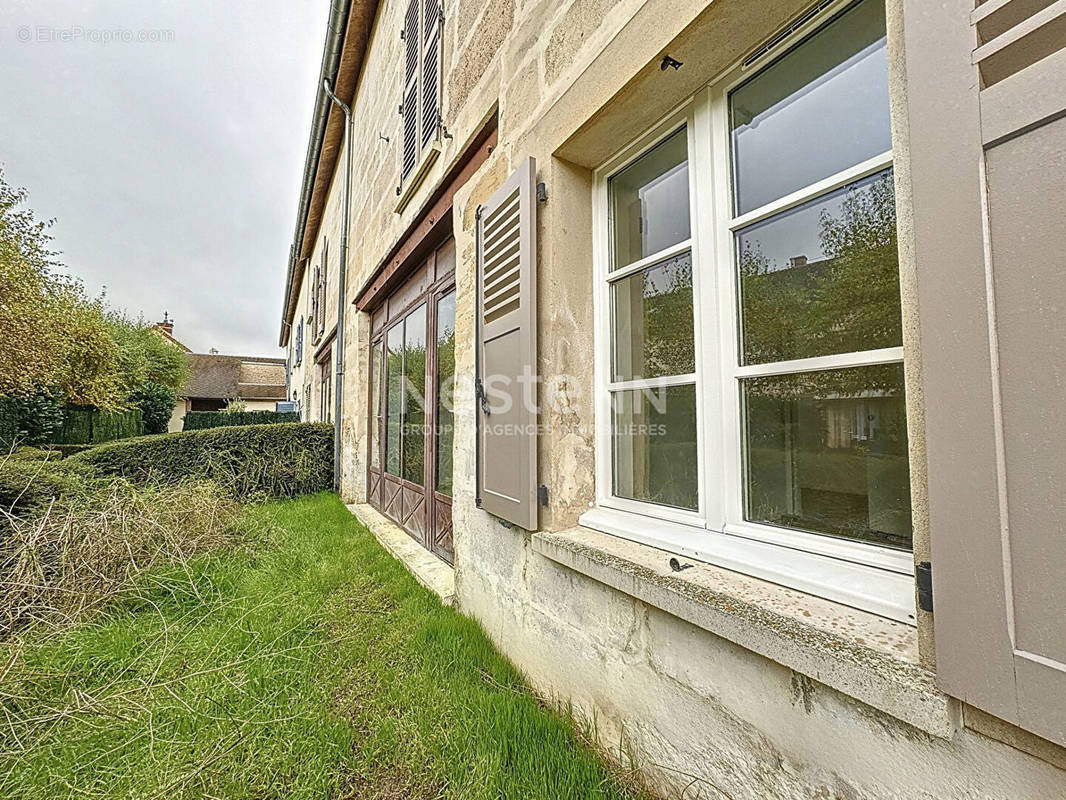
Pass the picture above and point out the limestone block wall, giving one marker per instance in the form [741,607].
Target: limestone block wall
[573,82]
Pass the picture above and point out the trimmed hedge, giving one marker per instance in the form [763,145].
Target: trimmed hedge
[202,420]
[91,426]
[9,423]
[28,483]
[281,460]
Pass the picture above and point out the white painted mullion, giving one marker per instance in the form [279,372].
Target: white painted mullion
[730,455]
[869,167]
[602,339]
[863,358]
[648,261]
[662,382]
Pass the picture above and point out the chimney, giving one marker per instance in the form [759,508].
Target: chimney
[167,325]
[797,261]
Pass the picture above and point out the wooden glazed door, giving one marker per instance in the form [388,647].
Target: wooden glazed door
[410,403]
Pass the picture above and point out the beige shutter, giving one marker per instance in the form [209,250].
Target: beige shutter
[507,350]
[409,103]
[431,71]
[986,89]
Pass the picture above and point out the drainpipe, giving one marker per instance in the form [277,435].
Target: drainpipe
[338,382]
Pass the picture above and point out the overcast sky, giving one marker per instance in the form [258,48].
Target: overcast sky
[172,165]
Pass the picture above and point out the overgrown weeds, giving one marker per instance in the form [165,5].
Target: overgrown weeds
[61,562]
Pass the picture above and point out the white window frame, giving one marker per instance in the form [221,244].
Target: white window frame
[867,576]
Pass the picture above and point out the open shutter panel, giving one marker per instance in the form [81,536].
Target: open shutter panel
[507,350]
[409,107]
[431,72]
[986,90]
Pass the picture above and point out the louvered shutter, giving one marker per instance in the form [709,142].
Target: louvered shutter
[409,105]
[986,90]
[507,350]
[431,71]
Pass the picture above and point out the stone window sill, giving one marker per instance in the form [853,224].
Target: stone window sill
[867,657]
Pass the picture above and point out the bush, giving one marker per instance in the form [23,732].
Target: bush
[83,425]
[281,460]
[201,420]
[31,419]
[9,423]
[156,402]
[29,484]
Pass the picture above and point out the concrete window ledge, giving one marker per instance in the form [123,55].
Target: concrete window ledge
[428,570]
[869,658]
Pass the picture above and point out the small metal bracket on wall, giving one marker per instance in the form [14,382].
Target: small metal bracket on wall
[542,193]
[542,495]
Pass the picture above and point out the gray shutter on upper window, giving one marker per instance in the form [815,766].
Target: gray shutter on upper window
[507,350]
[986,92]
[431,71]
[409,103]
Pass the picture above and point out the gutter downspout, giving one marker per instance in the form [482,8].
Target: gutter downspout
[338,385]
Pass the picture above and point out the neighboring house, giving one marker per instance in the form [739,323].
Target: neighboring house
[783,536]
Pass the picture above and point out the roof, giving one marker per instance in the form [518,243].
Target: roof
[347,41]
[230,377]
[169,337]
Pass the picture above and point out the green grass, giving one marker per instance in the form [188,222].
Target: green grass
[309,666]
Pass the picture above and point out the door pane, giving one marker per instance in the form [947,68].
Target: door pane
[823,277]
[649,202]
[375,404]
[827,452]
[414,417]
[654,433]
[394,398]
[652,315]
[821,108]
[445,429]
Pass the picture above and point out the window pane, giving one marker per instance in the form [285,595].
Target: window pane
[827,452]
[375,405]
[649,202]
[652,314]
[822,278]
[821,108]
[394,398]
[654,435]
[414,416]
[445,391]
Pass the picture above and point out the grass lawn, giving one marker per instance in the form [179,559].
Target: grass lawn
[311,666]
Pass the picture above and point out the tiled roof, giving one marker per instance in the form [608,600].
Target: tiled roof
[229,377]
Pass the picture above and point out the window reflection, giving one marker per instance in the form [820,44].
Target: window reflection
[653,332]
[821,108]
[822,278]
[827,452]
[445,391]
[649,202]
[654,433]
[393,398]
[414,417]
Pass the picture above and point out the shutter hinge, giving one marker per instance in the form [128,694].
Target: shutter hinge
[542,193]
[542,495]
[923,577]
[479,395]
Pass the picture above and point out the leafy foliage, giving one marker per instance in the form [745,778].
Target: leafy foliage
[283,460]
[92,425]
[156,402]
[201,420]
[58,343]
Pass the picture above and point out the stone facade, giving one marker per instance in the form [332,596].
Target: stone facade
[740,701]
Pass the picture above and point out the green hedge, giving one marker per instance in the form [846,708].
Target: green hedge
[9,423]
[281,460]
[201,420]
[91,426]
[28,483]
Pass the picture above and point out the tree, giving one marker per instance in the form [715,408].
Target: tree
[156,402]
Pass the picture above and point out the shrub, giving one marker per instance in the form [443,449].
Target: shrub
[156,402]
[83,425]
[30,419]
[29,484]
[9,423]
[281,460]
[201,420]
